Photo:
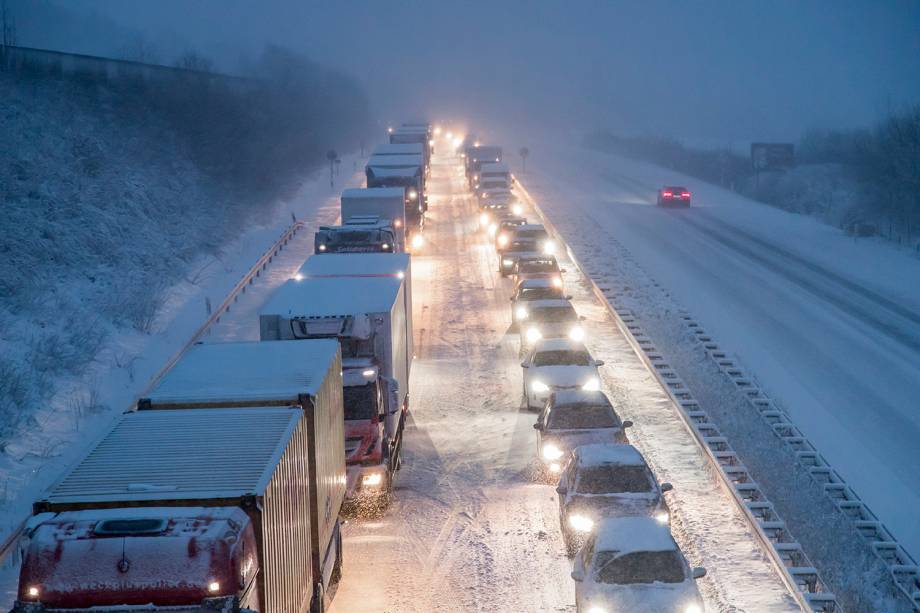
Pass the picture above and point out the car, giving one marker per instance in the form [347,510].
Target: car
[550,318]
[528,290]
[537,267]
[538,234]
[605,480]
[633,564]
[495,194]
[491,213]
[516,249]
[504,230]
[557,364]
[673,195]
[576,417]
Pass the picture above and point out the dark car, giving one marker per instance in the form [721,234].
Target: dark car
[673,195]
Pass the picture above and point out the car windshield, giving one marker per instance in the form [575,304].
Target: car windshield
[562,357]
[539,293]
[580,417]
[538,266]
[360,401]
[554,314]
[531,234]
[523,246]
[613,479]
[638,567]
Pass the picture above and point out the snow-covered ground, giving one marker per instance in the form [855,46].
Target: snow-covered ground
[828,325]
[124,367]
[470,529]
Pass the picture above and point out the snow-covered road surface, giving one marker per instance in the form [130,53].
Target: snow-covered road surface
[469,528]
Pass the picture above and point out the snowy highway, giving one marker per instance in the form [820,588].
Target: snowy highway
[469,528]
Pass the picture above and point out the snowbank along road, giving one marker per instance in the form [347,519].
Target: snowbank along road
[470,529]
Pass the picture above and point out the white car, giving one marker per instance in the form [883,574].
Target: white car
[529,290]
[633,564]
[606,480]
[572,418]
[537,267]
[558,364]
[553,318]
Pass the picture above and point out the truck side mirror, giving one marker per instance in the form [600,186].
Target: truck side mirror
[666,487]
[699,572]
[627,424]
[538,426]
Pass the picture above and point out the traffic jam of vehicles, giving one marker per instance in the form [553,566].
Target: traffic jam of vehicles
[227,486]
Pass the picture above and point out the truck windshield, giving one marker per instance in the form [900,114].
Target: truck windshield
[360,401]
[638,567]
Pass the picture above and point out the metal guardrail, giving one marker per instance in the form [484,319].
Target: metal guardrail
[792,564]
[8,546]
[903,568]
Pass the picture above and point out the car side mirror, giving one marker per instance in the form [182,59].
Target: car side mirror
[627,424]
[598,362]
[561,489]
[537,426]
[524,365]
[666,487]
[699,572]
[578,575]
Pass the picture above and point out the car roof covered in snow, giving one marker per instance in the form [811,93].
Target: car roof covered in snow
[398,149]
[530,227]
[186,454]
[494,167]
[325,296]
[558,344]
[600,454]
[394,161]
[631,534]
[564,398]
[258,371]
[355,265]
[549,303]
[374,192]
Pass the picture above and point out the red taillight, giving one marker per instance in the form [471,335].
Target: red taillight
[666,194]
[685,195]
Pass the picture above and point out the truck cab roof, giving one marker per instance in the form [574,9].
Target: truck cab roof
[374,192]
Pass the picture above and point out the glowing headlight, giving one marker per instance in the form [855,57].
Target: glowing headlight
[540,387]
[484,219]
[533,335]
[418,241]
[431,143]
[551,452]
[580,523]
[413,194]
[521,312]
[557,281]
[577,334]
[298,277]
[517,209]
[372,480]
[549,248]
[385,246]
[397,223]
[492,229]
[502,240]
[662,517]
[693,608]
[591,385]
[322,247]
[507,262]
[214,587]
[33,591]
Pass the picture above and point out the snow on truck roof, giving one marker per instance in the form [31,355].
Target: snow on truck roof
[331,296]
[188,454]
[398,149]
[394,161]
[355,265]
[374,192]
[631,534]
[604,453]
[494,167]
[259,371]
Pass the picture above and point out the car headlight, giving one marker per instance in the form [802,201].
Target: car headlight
[557,281]
[492,229]
[33,591]
[693,608]
[521,312]
[662,517]
[539,387]
[502,240]
[517,209]
[385,246]
[549,248]
[580,523]
[533,335]
[507,262]
[322,247]
[418,241]
[413,194]
[483,219]
[551,452]
[591,385]
[577,334]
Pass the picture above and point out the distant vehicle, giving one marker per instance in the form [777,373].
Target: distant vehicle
[407,171]
[492,213]
[530,290]
[572,418]
[558,364]
[497,170]
[537,267]
[633,564]
[550,319]
[606,480]
[362,234]
[673,196]
[504,229]
[516,249]
[538,234]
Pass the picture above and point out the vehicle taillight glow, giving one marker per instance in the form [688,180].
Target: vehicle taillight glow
[685,195]
[667,194]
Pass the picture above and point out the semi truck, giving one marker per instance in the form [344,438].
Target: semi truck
[403,149]
[407,171]
[195,510]
[389,203]
[476,156]
[410,133]
[360,234]
[370,313]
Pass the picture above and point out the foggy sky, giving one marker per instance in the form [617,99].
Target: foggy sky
[714,72]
